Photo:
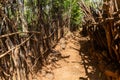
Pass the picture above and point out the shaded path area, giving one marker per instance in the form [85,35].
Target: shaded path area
[75,62]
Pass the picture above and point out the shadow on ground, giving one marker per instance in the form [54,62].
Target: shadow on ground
[90,66]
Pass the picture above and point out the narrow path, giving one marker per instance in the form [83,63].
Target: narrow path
[77,66]
[72,68]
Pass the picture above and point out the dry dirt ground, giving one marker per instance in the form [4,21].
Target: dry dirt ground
[74,63]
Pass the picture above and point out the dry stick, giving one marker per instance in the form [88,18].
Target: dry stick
[87,11]
[15,47]
[35,32]
[117,23]
[10,34]
[116,6]
[49,35]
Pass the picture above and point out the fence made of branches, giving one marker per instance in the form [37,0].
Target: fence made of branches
[103,26]
[26,40]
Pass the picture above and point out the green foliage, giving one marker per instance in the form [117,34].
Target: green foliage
[76,14]
[52,9]
[29,10]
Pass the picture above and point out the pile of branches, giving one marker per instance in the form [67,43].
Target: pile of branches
[103,27]
[23,52]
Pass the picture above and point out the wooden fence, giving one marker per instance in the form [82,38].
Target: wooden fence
[23,53]
[103,27]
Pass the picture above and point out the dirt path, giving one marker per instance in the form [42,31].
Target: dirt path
[77,66]
[72,68]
